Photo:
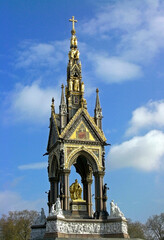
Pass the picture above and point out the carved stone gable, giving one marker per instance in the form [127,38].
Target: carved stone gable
[95,134]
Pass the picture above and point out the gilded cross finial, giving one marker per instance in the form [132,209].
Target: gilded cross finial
[73,24]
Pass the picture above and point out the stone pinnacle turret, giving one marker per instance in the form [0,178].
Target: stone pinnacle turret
[98,111]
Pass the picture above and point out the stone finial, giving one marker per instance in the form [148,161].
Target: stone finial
[62,102]
[97,99]
[53,105]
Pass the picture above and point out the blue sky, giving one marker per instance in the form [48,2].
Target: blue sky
[121,47]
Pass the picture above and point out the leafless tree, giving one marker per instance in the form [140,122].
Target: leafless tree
[155,227]
[136,229]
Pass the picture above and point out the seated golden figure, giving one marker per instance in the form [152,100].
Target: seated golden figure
[75,191]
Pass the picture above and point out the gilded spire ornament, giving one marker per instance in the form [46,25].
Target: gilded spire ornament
[73,24]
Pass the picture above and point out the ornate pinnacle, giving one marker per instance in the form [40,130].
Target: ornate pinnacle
[52,105]
[73,25]
[62,102]
[82,102]
[97,99]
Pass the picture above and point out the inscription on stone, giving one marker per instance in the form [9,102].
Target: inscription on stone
[79,207]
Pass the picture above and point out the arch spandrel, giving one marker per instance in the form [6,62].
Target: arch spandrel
[82,151]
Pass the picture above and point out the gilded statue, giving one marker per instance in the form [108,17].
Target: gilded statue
[74,54]
[75,191]
[82,87]
[70,85]
[76,85]
[73,41]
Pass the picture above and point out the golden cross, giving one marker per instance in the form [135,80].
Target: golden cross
[73,22]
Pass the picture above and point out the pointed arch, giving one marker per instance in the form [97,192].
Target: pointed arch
[92,161]
[53,171]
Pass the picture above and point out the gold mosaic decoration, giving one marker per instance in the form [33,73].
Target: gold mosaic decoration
[82,133]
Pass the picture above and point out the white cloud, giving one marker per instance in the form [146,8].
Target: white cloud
[137,27]
[146,117]
[33,55]
[12,201]
[143,152]
[33,166]
[143,44]
[115,69]
[112,16]
[32,103]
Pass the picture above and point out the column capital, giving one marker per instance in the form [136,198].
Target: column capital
[99,173]
[65,171]
[87,180]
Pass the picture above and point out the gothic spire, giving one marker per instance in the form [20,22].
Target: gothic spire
[63,110]
[62,101]
[75,86]
[97,106]
[98,111]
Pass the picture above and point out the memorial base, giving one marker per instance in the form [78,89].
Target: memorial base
[57,228]
[81,238]
[78,209]
[38,232]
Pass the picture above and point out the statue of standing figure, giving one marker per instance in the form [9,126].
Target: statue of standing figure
[76,85]
[105,188]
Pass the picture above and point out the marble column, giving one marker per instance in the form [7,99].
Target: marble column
[54,189]
[61,194]
[87,194]
[98,193]
[66,173]
[89,197]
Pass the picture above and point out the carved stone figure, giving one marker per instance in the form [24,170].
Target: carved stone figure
[41,219]
[115,210]
[103,158]
[112,209]
[75,191]
[86,228]
[56,209]
[105,188]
